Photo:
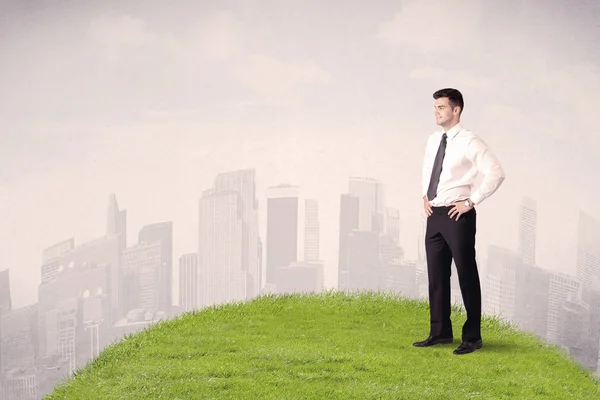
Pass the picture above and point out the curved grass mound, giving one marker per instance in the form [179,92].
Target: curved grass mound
[327,345]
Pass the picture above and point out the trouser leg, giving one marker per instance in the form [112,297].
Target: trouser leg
[461,239]
[439,262]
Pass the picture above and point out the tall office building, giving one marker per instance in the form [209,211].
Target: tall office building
[591,297]
[260,264]
[574,329]
[282,229]
[5,298]
[51,257]
[588,251]
[222,278]
[562,288]
[144,278]
[527,230]
[116,222]
[349,221]
[244,182]
[74,310]
[5,307]
[18,344]
[370,192]
[311,231]
[116,228]
[162,233]
[532,292]
[188,282]
[364,261]
[501,282]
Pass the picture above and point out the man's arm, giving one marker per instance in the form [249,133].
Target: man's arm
[488,165]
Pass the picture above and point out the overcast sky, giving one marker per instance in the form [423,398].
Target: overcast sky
[151,100]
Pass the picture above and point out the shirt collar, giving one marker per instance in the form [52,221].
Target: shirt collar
[452,132]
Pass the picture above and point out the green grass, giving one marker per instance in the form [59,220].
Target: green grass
[326,345]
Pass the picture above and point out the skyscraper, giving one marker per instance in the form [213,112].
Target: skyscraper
[532,293]
[311,231]
[370,191]
[221,275]
[364,261]
[143,278]
[588,251]
[116,222]
[188,282]
[18,343]
[116,229]
[244,182]
[562,288]
[162,233]
[5,305]
[282,229]
[5,299]
[349,221]
[501,282]
[527,230]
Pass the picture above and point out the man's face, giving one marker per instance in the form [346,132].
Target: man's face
[443,111]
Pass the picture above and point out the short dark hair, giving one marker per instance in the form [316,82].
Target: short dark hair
[455,97]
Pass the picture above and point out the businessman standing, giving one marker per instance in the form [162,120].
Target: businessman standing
[454,157]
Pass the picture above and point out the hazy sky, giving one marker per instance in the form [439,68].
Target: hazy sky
[151,100]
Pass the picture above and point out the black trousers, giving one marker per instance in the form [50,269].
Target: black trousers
[447,239]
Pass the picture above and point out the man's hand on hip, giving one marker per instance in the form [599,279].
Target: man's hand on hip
[459,209]
[427,206]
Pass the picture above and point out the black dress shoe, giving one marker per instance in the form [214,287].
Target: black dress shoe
[431,341]
[468,347]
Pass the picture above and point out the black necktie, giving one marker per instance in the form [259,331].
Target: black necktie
[437,169]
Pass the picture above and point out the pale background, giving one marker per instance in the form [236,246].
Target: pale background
[151,100]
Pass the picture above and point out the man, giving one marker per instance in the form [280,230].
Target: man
[453,159]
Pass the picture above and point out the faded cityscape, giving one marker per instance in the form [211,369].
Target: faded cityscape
[92,294]
[156,160]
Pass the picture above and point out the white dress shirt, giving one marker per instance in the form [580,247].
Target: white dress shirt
[467,155]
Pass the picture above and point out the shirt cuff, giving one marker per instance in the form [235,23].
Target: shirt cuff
[477,198]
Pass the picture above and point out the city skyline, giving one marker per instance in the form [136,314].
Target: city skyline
[331,265]
[80,280]
[525,248]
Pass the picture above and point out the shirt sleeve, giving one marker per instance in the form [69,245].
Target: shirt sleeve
[488,165]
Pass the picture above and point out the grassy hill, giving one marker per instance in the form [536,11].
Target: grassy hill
[327,345]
